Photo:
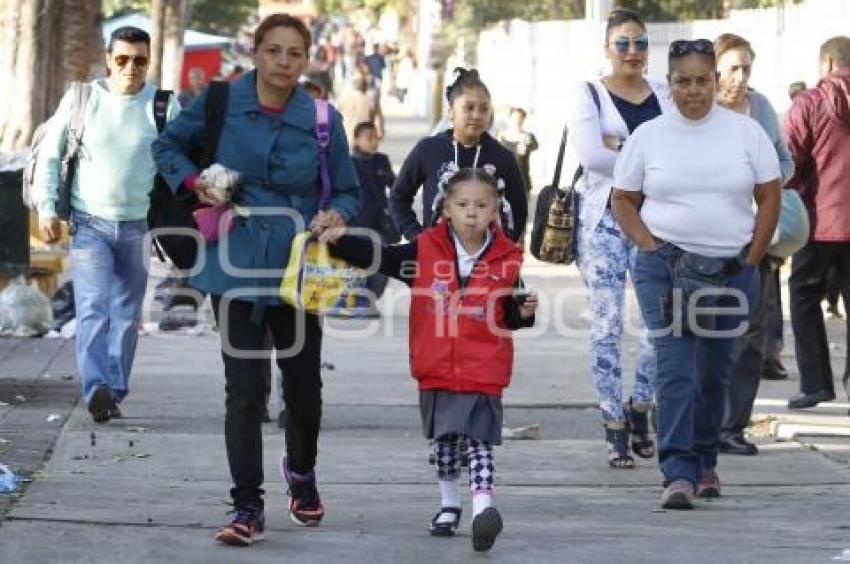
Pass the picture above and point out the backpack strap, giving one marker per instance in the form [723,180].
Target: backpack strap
[161,101]
[323,137]
[81,92]
[215,112]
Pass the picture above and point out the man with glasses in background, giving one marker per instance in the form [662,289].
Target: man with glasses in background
[109,199]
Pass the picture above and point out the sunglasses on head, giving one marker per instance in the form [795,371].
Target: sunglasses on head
[621,44]
[684,47]
[138,60]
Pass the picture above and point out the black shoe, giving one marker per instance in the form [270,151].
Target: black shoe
[774,371]
[100,403]
[737,444]
[803,401]
[445,529]
[114,411]
[485,528]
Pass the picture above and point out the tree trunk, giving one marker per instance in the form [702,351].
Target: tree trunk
[176,16]
[45,45]
[157,40]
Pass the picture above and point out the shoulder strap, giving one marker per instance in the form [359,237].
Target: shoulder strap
[556,180]
[595,96]
[81,92]
[323,137]
[161,101]
[215,112]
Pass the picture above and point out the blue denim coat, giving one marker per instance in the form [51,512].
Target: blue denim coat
[278,159]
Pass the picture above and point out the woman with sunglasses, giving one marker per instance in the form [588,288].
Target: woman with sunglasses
[735,58]
[626,99]
[683,192]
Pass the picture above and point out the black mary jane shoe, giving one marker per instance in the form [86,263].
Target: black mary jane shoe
[444,529]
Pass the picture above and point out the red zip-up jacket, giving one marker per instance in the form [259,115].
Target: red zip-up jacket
[818,130]
[460,337]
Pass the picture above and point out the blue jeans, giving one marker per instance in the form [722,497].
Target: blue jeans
[692,369]
[110,275]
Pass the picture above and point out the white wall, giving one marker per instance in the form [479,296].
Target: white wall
[534,64]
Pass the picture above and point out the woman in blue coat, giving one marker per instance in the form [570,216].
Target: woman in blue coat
[268,139]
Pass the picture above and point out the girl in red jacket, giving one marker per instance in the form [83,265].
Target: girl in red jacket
[463,274]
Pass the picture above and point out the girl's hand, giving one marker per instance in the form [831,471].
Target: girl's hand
[331,234]
[529,306]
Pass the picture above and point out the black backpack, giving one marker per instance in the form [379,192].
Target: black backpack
[569,197]
[170,212]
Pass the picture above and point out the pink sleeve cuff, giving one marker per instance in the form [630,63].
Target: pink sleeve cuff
[190,181]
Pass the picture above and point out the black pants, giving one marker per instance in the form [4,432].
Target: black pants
[750,350]
[808,288]
[245,390]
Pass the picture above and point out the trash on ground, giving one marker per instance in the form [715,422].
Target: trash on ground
[529,432]
[53,417]
[4,441]
[24,311]
[9,481]
[20,399]
[137,430]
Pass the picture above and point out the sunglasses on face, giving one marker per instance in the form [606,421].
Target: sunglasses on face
[684,47]
[138,60]
[621,44]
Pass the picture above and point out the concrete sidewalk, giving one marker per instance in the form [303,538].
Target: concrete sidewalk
[153,486]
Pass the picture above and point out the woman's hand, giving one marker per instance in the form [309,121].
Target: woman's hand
[328,226]
[206,195]
[612,142]
[529,306]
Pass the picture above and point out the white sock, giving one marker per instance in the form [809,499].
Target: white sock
[481,500]
[449,497]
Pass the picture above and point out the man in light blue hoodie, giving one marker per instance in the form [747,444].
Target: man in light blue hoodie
[109,204]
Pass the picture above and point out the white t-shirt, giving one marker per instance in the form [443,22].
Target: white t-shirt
[698,178]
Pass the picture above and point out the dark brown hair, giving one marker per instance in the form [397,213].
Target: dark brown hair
[730,42]
[281,20]
[620,16]
[466,79]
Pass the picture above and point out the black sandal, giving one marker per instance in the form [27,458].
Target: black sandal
[638,424]
[618,448]
[445,529]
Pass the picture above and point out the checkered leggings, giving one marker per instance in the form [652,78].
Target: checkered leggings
[479,453]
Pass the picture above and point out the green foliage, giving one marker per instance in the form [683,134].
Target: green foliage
[222,17]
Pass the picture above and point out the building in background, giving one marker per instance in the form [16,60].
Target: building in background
[304,9]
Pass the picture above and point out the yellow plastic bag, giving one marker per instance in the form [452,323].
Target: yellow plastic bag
[317,282]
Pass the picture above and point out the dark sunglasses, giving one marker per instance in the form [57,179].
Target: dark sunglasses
[138,60]
[621,44]
[684,47]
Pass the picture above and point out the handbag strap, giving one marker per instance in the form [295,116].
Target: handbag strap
[559,163]
[323,137]
[595,96]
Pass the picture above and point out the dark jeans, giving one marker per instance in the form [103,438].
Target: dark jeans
[750,351]
[808,286]
[692,371]
[245,390]
[774,327]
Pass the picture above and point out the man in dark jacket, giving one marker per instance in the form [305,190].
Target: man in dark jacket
[818,129]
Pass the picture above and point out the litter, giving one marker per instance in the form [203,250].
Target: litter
[20,399]
[24,311]
[9,481]
[529,432]
[53,417]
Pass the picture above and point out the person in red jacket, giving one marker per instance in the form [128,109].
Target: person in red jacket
[464,275]
[818,129]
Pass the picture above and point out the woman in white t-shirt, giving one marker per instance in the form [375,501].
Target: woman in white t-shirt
[684,187]
[625,98]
